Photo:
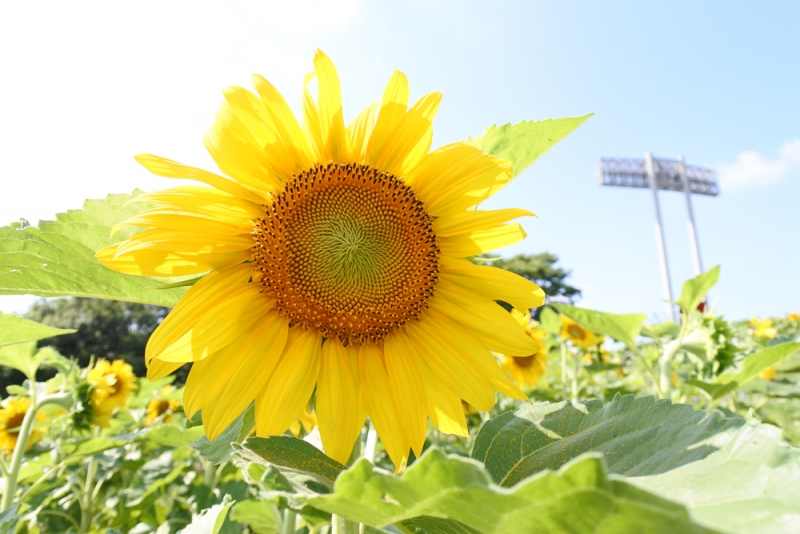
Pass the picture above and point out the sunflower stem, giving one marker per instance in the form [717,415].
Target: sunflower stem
[576,368]
[563,364]
[342,525]
[288,524]
[24,435]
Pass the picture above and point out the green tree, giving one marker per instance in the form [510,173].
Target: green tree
[540,269]
[105,328]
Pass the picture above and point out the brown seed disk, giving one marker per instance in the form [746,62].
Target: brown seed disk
[347,250]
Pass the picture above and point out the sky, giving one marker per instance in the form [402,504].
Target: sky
[84,86]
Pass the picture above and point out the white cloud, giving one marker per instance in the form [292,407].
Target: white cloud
[752,169]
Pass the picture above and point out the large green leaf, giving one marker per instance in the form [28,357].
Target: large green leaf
[640,436]
[25,357]
[220,449]
[14,329]
[623,328]
[524,142]
[751,485]
[210,521]
[259,516]
[296,454]
[57,258]
[695,290]
[451,494]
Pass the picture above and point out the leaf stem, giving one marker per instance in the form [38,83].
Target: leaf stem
[340,524]
[288,524]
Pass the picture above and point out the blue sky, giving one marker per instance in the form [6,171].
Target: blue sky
[87,86]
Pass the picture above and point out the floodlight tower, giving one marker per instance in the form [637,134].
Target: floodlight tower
[670,175]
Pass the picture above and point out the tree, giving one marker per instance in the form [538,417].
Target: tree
[105,328]
[540,269]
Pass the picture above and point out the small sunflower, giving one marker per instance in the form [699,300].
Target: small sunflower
[306,422]
[334,258]
[762,328]
[161,406]
[578,335]
[112,386]
[793,317]
[526,370]
[11,415]
[768,374]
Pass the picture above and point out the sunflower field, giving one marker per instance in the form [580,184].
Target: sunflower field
[357,364]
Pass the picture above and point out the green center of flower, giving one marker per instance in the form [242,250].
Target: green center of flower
[347,250]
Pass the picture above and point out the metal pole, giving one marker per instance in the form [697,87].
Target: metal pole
[662,248]
[698,265]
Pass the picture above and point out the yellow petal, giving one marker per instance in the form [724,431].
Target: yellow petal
[413,129]
[391,113]
[443,360]
[443,406]
[172,169]
[248,366]
[360,130]
[466,222]
[492,283]
[340,413]
[159,369]
[291,384]
[206,201]
[201,377]
[380,404]
[311,122]
[203,295]
[408,391]
[492,325]
[166,219]
[285,123]
[160,252]
[331,116]
[481,241]
[455,177]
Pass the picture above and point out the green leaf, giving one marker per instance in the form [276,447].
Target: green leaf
[295,454]
[550,321]
[219,450]
[259,516]
[24,357]
[456,495]
[623,328]
[752,366]
[172,436]
[524,142]
[8,520]
[210,521]
[667,328]
[751,485]
[14,329]
[641,436]
[695,290]
[57,258]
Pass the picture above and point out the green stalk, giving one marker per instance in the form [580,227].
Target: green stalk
[563,363]
[665,362]
[64,400]
[576,369]
[339,524]
[288,524]
[86,498]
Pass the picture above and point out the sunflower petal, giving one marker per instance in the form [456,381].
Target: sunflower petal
[331,115]
[340,414]
[286,394]
[380,404]
[492,283]
[408,391]
[481,241]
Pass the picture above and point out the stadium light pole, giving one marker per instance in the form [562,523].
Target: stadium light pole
[670,175]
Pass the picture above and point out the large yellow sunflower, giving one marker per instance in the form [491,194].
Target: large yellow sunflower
[578,335]
[11,415]
[113,385]
[526,370]
[336,260]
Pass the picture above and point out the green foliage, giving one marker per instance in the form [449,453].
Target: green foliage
[751,485]
[623,328]
[15,329]
[637,437]
[524,142]
[220,450]
[211,521]
[102,328]
[26,358]
[291,453]
[57,258]
[454,494]
[694,290]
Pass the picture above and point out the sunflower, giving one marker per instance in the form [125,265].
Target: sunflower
[762,328]
[11,415]
[793,317]
[161,406]
[112,386]
[768,374]
[580,337]
[526,370]
[307,421]
[333,258]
